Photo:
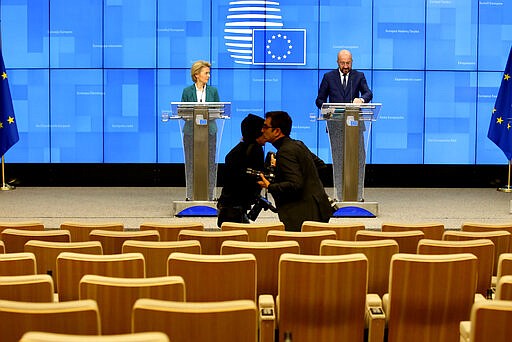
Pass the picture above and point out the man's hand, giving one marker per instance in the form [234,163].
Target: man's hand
[358,100]
[264,183]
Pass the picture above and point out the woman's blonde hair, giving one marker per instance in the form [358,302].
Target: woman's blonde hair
[196,67]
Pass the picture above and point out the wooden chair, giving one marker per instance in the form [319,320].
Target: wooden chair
[257,232]
[115,297]
[504,265]
[211,241]
[429,295]
[112,241]
[210,278]
[76,317]
[80,230]
[156,253]
[309,242]
[486,227]
[346,232]
[27,288]
[433,231]
[71,267]
[490,321]
[267,260]
[227,321]
[2,247]
[26,225]
[15,239]
[407,241]
[501,240]
[170,232]
[34,336]
[323,298]
[377,252]
[504,288]
[12,264]
[483,249]
[46,253]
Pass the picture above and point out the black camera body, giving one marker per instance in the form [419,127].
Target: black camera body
[269,170]
[261,204]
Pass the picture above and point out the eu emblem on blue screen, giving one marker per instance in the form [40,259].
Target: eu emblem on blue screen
[279,47]
[501,120]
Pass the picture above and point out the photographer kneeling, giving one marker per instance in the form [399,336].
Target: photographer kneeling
[240,188]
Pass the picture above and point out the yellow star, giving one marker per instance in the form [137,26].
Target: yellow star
[10,120]
[4,75]
[1,125]
[493,110]
[499,120]
[508,126]
[506,77]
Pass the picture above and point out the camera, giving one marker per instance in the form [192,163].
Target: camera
[268,172]
[261,204]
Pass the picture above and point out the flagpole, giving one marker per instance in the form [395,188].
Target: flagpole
[5,186]
[507,188]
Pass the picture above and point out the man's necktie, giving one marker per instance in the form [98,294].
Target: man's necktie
[344,80]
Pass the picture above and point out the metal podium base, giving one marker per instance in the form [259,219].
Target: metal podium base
[194,208]
[357,209]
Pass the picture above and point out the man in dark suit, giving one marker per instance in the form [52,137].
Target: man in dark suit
[344,85]
[297,190]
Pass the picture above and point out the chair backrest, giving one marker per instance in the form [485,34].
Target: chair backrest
[309,242]
[429,295]
[28,225]
[170,232]
[71,267]
[17,264]
[227,321]
[211,241]
[483,249]
[36,336]
[500,238]
[2,247]
[80,230]
[346,232]
[27,288]
[115,297]
[112,241]
[75,317]
[486,227]
[210,278]
[322,298]
[407,240]
[490,321]
[504,288]
[433,231]
[378,253]
[46,253]
[156,253]
[15,239]
[257,232]
[267,260]
[504,265]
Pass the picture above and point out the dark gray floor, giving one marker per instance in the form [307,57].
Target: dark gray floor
[133,206]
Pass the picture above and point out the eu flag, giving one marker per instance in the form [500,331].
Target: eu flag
[501,121]
[279,46]
[8,129]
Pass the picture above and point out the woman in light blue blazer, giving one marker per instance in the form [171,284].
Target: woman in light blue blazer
[200,92]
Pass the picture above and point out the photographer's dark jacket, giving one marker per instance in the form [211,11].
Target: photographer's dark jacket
[241,189]
[298,191]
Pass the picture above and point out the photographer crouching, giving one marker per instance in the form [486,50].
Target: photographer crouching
[241,189]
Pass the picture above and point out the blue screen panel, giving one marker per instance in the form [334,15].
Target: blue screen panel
[30,95]
[130,116]
[399,35]
[130,34]
[494,35]
[450,117]
[76,98]
[183,33]
[486,151]
[345,24]
[25,33]
[451,32]
[76,35]
[398,132]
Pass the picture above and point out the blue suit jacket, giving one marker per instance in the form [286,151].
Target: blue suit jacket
[331,89]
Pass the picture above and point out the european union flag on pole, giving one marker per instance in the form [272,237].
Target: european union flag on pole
[8,129]
[500,129]
[279,46]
